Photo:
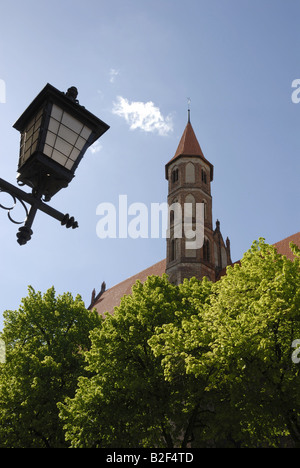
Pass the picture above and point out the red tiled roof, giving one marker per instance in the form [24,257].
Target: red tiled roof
[189,146]
[112,297]
[283,246]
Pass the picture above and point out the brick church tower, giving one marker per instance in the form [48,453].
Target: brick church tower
[189,176]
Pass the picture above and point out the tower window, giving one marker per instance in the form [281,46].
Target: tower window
[206,250]
[205,209]
[175,175]
[173,249]
[171,216]
[203,176]
[190,200]
[175,212]
[190,173]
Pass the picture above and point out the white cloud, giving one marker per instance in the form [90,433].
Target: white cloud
[143,115]
[113,73]
[96,147]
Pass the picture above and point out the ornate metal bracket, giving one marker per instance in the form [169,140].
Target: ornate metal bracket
[35,200]
[10,208]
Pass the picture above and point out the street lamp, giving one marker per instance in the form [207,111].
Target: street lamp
[55,132]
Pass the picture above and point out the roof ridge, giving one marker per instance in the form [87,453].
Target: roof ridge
[137,274]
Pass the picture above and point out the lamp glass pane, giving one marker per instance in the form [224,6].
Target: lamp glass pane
[63,146]
[34,146]
[71,123]
[35,136]
[56,112]
[60,158]
[29,138]
[67,134]
[48,150]
[74,154]
[50,139]
[69,164]
[53,125]
[80,143]
[85,133]
[66,137]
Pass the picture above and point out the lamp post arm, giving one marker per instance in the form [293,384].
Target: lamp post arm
[15,191]
[36,203]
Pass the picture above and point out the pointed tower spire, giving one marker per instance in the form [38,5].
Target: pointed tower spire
[189,146]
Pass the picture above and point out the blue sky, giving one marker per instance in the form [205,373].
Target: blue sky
[135,63]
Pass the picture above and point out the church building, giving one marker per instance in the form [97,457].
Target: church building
[189,175]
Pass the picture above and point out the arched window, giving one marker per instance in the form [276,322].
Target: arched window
[171,211]
[204,208]
[224,257]
[206,250]
[175,215]
[203,176]
[190,173]
[173,252]
[190,199]
[216,256]
[175,175]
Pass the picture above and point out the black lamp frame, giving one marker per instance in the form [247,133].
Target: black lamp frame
[40,172]
[44,175]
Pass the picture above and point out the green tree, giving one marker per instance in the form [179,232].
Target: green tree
[203,364]
[242,340]
[44,341]
[127,401]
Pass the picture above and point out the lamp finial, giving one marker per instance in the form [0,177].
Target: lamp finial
[72,93]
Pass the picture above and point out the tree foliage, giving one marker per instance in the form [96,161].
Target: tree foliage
[200,364]
[45,340]
[246,334]
[127,402]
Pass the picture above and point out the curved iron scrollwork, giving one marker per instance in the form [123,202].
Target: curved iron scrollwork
[15,199]
[36,203]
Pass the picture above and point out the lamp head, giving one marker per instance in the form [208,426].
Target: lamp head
[55,132]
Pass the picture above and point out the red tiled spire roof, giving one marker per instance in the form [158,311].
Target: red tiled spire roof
[189,146]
